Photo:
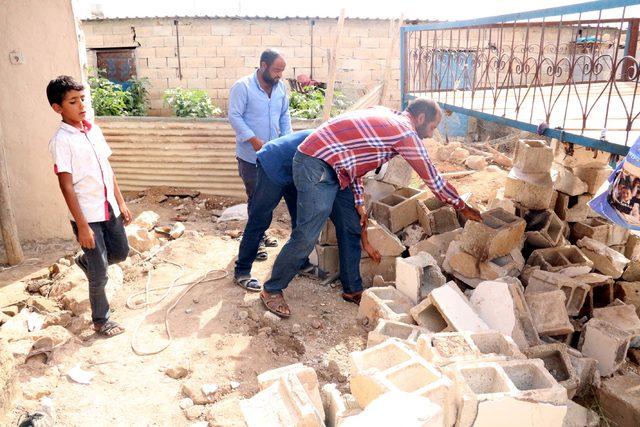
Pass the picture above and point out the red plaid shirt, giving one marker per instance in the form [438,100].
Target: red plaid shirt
[357,142]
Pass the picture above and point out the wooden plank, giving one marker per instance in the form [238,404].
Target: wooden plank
[395,33]
[8,225]
[328,99]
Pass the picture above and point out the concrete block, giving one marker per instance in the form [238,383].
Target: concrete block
[147,220]
[139,238]
[412,234]
[455,308]
[632,247]
[533,156]
[399,209]
[328,235]
[605,260]
[383,240]
[386,329]
[369,269]
[549,312]
[624,317]
[566,182]
[499,201]
[395,172]
[579,416]
[533,195]
[601,293]
[501,393]
[575,292]
[445,348]
[572,208]
[567,260]
[328,259]
[436,217]
[629,293]
[594,177]
[497,235]
[595,228]
[503,308]
[307,377]
[458,261]
[399,408]
[375,190]
[436,245]
[557,361]
[338,407]
[620,400]
[606,343]
[544,229]
[427,315]
[618,236]
[391,366]
[510,265]
[587,370]
[285,403]
[385,303]
[418,275]
[632,272]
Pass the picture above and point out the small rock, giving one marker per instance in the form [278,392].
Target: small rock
[316,324]
[270,317]
[209,389]
[193,390]
[186,403]
[65,262]
[196,300]
[493,168]
[378,281]
[193,412]
[188,311]
[296,328]
[234,234]
[266,330]
[459,155]
[11,310]
[178,371]
[243,314]
[234,384]
[477,163]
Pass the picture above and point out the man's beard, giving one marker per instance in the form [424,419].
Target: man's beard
[267,78]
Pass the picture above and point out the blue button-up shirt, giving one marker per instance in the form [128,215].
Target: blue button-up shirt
[276,157]
[253,113]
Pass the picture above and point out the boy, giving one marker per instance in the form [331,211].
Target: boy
[89,187]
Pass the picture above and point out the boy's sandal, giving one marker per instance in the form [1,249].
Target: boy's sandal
[108,329]
[262,256]
[248,283]
[270,242]
[275,303]
[353,297]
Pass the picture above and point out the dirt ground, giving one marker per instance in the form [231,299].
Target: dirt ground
[218,330]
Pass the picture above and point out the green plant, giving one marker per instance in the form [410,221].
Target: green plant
[110,99]
[309,103]
[190,103]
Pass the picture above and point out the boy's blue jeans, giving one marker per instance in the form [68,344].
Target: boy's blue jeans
[111,247]
[319,198]
[265,199]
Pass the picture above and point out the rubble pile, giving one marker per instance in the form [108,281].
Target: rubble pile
[503,322]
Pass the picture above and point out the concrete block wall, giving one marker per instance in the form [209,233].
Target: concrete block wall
[215,52]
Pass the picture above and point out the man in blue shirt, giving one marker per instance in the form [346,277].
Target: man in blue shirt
[275,181]
[258,112]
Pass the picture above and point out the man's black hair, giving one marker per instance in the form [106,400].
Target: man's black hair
[429,107]
[268,56]
[58,87]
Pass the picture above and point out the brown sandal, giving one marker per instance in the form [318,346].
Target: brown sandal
[354,297]
[275,303]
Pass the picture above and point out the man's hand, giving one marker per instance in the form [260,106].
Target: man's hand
[126,213]
[470,213]
[85,237]
[256,143]
[362,211]
[373,253]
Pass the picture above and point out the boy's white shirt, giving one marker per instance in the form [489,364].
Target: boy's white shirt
[86,158]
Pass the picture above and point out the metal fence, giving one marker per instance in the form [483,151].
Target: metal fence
[571,70]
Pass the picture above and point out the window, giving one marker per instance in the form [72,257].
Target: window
[117,65]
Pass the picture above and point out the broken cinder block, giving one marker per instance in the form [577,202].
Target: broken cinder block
[619,399]
[338,407]
[567,260]
[385,303]
[606,343]
[557,361]
[573,208]
[544,229]
[399,209]
[418,275]
[399,408]
[396,172]
[383,240]
[605,260]
[576,292]
[386,329]
[594,177]
[529,192]
[497,235]
[595,228]
[549,312]
[436,217]
[533,156]
[566,182]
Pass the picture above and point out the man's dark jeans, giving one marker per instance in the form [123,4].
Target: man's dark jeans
[111,247]
[265,198]
[319,198]
[249,174]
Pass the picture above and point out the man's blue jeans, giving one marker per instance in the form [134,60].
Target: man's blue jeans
[319,198]
[266,196]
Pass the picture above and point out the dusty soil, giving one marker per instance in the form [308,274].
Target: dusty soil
[218,330]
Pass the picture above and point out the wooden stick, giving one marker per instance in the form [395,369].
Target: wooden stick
[7,218]
[456,174]
[387,72]
[328,98]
